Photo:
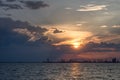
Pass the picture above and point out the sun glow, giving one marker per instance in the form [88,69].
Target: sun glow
[69,37]
[76,45]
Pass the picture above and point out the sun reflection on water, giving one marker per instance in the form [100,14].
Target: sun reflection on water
[75,70]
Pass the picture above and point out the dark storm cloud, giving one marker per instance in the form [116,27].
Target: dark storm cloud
[10,0]
[9,36]
[35,4]
[7,6]
[0,2]
[16,47]
[11,4]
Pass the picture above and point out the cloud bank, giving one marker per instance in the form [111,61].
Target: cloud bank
[14,4]
[92,7]
[19,41]
[35,5]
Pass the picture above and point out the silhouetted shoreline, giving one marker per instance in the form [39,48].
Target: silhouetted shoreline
[113,60]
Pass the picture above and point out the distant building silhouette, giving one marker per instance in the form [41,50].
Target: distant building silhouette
[114,60]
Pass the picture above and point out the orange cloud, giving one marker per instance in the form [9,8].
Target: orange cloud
[72,37]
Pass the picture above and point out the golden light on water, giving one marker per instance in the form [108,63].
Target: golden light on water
[75,70]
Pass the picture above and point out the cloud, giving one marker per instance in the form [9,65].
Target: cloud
[68,8]
[9,28]
[116,26]
[35,4]
[13,4]
[101,47]
[7,36]
[15,44]
[0,2]
[104,26]
[92,7]
[8,6]
[71,37]
[95,50]
[19,41]
[10,0]
[32,35]
[115,30]
[57,31]
[107,37]
[106,13]
[79,24]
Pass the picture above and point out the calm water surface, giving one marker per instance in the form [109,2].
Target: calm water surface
[59,71]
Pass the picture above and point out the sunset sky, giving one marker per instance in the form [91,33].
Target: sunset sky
[34,30]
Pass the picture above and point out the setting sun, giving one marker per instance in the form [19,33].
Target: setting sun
[76,45]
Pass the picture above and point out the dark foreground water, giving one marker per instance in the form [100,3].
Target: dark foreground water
[59,71]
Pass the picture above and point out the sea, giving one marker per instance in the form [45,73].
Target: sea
[59,71]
